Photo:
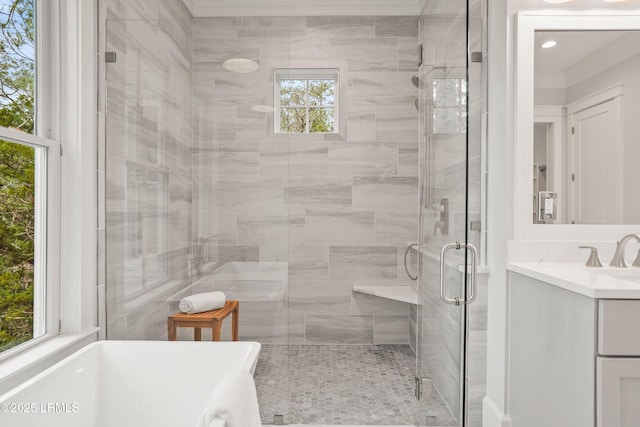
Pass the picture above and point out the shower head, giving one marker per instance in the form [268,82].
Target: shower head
[416,81]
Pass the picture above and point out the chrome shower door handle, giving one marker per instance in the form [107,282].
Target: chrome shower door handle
[471,296]
[473,273]
[443,288]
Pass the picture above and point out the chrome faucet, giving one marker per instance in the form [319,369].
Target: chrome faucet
[618,257]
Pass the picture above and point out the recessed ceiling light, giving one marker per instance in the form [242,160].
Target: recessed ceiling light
[557,1]
[263,109]
[240,65]
[548,44]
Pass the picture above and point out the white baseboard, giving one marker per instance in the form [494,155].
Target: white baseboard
[492,416]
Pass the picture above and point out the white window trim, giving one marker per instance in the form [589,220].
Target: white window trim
[306,74]
[46,248]
[47,183]
[72,125]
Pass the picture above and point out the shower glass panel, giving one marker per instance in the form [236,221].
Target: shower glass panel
[352,197]
[202,194]
[190,206]
[240,217]
[450,106]
[241,229]
[148,174]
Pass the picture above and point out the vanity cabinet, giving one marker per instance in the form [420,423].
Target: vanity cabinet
[574,360]
[618,363]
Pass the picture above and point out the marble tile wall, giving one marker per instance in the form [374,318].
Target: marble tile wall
[338,208]
[442,158]
[147,162]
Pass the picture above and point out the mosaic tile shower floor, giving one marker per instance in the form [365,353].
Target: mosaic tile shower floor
[340,385]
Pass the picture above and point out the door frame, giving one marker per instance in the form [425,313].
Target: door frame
[553,115]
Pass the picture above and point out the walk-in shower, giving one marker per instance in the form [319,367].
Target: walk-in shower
[296,189]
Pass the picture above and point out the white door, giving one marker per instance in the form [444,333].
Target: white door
[595,178]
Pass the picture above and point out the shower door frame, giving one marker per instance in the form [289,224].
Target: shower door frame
[452,304]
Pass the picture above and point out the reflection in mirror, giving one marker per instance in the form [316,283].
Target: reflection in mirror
[586,127]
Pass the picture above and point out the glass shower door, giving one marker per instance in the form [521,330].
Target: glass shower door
[450,194]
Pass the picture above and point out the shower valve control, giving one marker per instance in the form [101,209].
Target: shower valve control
[441,223]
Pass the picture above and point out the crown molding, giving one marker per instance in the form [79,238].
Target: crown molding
[618,51]
[225,8]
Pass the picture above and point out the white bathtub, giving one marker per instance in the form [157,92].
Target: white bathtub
[127,383]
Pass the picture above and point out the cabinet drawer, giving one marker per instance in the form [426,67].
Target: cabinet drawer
[619,327]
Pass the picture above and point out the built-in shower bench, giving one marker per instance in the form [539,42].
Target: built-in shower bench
[406,294]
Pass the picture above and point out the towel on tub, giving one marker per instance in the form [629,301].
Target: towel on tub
[234,403]
[202,302]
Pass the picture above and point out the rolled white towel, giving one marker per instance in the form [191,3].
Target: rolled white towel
[234,403]
[202,302]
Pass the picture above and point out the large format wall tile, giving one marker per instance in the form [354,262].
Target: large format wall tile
[235,159]
[319,193]
[396,26]
[312,297]
[294,158]
[363,159]
[335,228]
[350,198]
[408,159]
[309,262]
[363,262]
[340,26]
[361,124]
[396,228]
[262,229]
[339,329]
[385,88]
[385,193]
[253,194]
[391,330]
[398,123]
[367,54]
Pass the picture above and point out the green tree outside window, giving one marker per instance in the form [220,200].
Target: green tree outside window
[17,188]
[307,105]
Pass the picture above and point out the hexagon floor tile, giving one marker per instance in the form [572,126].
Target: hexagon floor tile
[330,385]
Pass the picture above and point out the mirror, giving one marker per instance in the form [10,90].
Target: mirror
[605,205]
[586,128]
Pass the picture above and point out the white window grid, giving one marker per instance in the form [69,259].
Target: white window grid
[306,74]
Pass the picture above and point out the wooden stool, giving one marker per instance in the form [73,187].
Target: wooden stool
[207,319]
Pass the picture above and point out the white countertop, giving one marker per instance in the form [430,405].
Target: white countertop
[604,282]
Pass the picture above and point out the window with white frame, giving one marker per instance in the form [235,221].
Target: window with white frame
[306,100]
[29,175]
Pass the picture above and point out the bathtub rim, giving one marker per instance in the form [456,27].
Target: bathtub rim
[32,361]
[255,348]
